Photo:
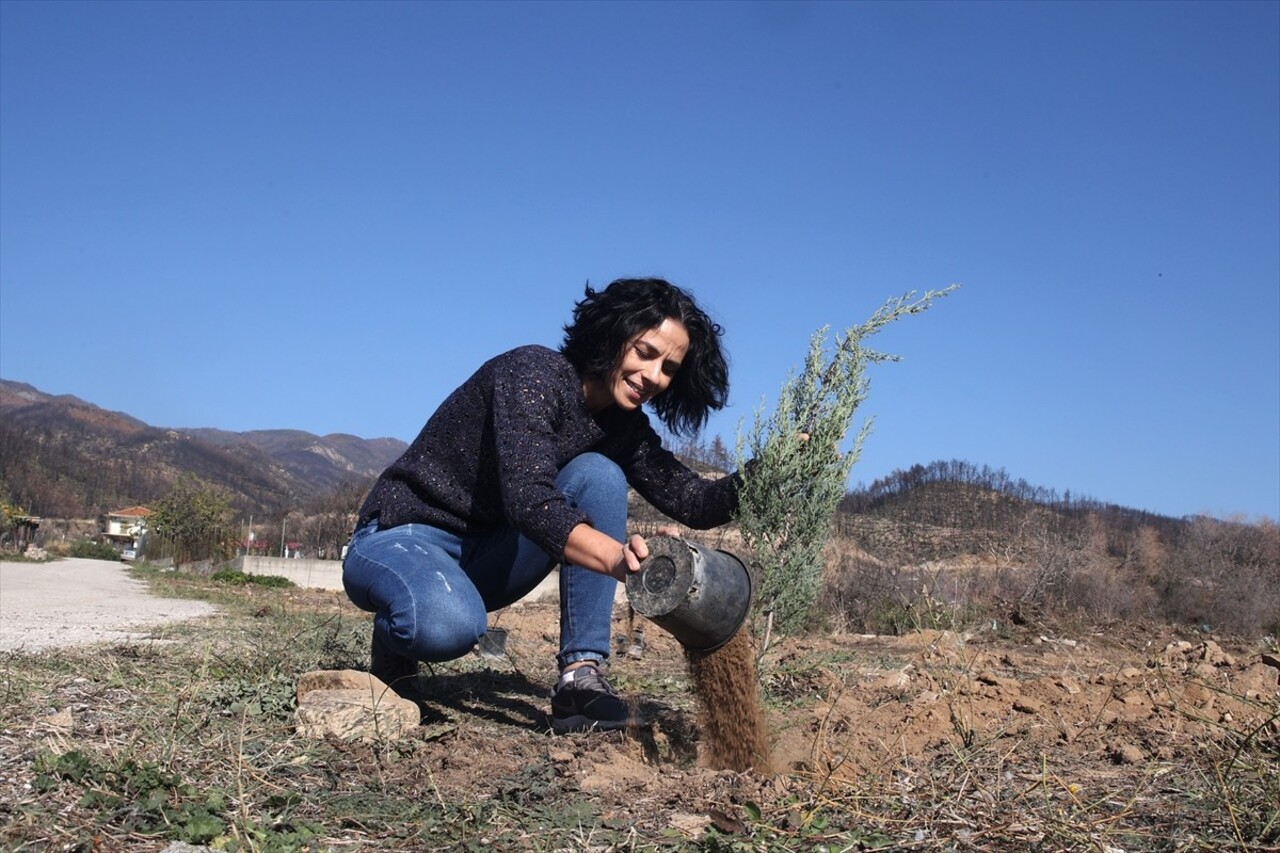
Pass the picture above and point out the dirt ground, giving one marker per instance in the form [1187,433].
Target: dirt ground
[1103,715]
[1006,738]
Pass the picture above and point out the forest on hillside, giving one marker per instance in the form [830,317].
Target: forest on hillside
[952,542]
[942,542]
[962,535]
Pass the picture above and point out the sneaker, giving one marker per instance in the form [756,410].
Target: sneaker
[398,672]
[583,700]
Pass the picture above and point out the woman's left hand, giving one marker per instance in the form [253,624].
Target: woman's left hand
[633,554]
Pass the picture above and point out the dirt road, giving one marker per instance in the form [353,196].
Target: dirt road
[75,601]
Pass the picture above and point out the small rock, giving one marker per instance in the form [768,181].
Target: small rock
[351,705]
[1258,677]
[1027,705]
[1069,685]
[992,680]
[1204,671]
[1198,694]
[1211,652]
[692,826]
[895,680]
[560,756]
[1126,753]
[61,720]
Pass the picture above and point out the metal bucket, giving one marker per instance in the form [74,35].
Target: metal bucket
[700,595]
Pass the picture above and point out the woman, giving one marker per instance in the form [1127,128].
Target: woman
[526,465]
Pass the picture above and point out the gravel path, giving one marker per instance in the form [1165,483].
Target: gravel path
[76,601]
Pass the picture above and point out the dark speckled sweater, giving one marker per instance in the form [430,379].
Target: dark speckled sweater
[489,456]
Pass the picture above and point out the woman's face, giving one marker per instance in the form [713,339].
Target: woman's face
[649,363]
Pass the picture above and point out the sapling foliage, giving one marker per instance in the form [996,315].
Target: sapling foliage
[800,458]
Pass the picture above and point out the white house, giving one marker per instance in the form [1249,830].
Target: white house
[126,528]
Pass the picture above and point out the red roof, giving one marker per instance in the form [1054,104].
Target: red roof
[133,511]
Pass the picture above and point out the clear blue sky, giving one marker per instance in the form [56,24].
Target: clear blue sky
[323,216]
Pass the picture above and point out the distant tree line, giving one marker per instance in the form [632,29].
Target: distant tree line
[1041,551]
[328,520]
[997,481]
[961,495]
[700,454]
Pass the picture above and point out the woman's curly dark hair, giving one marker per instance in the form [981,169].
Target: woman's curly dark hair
[604,323]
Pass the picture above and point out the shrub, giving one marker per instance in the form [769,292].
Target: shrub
[866,595]
[90,550]
[1224,574]
[238,578]
[194,519]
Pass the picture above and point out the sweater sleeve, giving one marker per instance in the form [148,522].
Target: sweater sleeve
[676,490]
[527,410]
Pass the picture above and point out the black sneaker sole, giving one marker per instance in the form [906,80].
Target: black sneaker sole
[581,723]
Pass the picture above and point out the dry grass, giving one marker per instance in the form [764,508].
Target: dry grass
[991,797]
[188,737]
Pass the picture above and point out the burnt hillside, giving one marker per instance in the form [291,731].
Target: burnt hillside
[954,507]
[965,536]
[62,457]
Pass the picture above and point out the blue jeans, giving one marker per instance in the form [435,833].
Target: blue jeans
[431,590]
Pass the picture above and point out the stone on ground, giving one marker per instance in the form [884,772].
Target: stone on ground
[351,705]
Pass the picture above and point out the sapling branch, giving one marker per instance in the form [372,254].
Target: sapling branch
[795,479]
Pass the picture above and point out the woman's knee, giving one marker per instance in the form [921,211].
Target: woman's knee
[426,607]
[434,620]
[442,636]
[592,473]
[596,485]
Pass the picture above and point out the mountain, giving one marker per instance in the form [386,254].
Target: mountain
[322,462]
[63,457]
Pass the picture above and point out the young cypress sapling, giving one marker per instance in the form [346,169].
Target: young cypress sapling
[791,489]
